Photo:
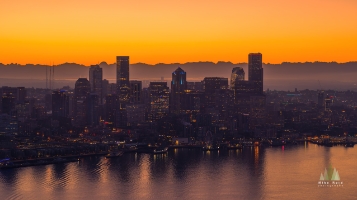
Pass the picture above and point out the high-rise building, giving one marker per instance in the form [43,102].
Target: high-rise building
[123,90]
[96,81]
[111,107]
[123,85]
[136,92]
[178,86]
[238,74]
[93,112]
[81,93]
[321,100]
[60,104]
[159,100]
[21,95]
[105,84]
[255,68]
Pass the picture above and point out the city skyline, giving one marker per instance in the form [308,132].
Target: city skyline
[230,99]
[171,32]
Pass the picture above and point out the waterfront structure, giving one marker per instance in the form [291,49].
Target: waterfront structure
[178,86]
[96,81]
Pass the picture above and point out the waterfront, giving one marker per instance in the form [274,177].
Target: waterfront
[290,172]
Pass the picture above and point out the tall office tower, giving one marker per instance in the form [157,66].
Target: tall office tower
[123,85]
[237,75]
[81,92]
[212,87]
[321,100]
[60,104]
[136,92]
[256,71]
[93,109]
[123,90]
[95,79]
[21,95]
[111,107]
[178,86]
[159,100]
[105,84]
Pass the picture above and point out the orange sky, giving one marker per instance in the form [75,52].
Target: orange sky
[168,31]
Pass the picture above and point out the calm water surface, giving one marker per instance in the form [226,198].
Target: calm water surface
[290,172]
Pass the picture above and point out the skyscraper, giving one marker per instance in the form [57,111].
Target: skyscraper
[81,93]
[123,90]
[111,106]
[256,71]
[237,75]
[95,79]
[178,86]
[123,85]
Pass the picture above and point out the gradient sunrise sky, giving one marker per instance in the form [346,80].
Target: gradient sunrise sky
[170,31]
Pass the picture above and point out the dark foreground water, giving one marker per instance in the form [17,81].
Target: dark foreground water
[290,172]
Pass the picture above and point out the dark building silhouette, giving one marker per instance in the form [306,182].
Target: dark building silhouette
[136,92]
[321,100]
[93,111]
[192,101]
[81,93]
[111,106]
[255,69]
[159,100]
[8,103]
[19,93]
[105,84]
[60,104]
[178,86]
[96,81]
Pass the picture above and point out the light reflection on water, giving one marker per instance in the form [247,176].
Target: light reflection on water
[291,172]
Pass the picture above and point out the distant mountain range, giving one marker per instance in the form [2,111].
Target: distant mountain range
[285,76]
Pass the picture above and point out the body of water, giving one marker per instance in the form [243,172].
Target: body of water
[290,172]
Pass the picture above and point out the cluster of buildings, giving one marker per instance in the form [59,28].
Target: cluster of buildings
[216,107]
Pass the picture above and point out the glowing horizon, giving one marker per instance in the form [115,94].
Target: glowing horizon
[151,32]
